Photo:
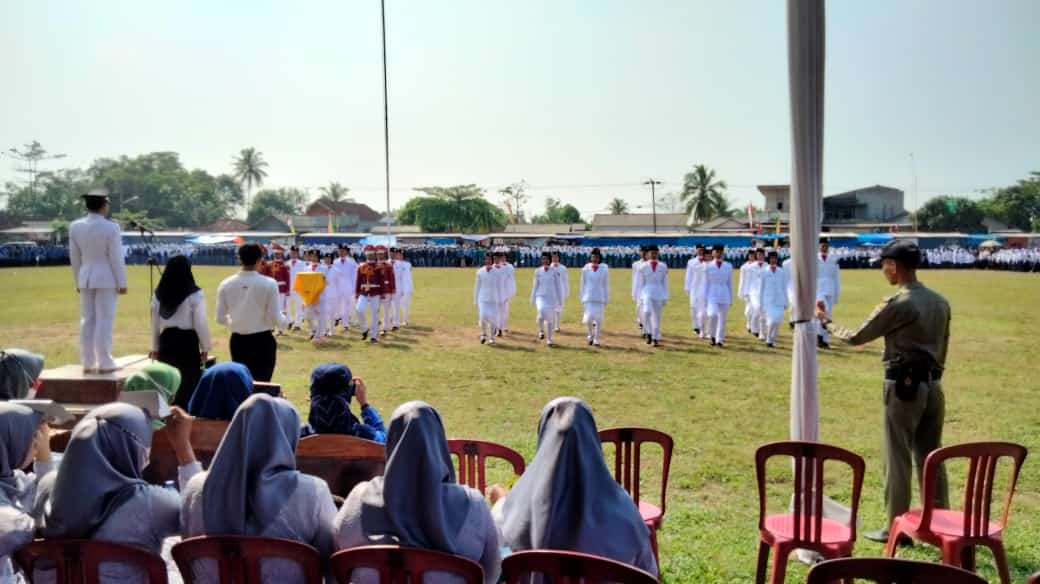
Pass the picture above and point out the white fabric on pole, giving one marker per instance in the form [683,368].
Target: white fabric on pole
[805,54]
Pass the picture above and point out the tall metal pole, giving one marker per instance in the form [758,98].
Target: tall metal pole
[386,120]
[653,199]
[913,195]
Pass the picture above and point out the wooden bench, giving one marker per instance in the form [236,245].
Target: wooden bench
[79,392]
[342,461]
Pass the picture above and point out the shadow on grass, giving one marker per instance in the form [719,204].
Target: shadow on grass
[500,346]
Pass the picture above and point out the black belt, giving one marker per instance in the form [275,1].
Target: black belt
[895,374]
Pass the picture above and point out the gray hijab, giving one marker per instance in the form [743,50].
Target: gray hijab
[253,472]
[101,470]
[18,370]
[18,426]
[567,499]
[416,502]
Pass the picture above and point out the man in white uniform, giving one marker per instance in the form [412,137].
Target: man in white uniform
[345,271]
[565,282]
[595,294]
[507,280]
[486,295]
[744,286]
[402,288]
[773,293]
[828,288]
[296,265]
[693,286]
[653,285]
[546,295]
[718,278]
[754,293]
[637,294]
[99,270]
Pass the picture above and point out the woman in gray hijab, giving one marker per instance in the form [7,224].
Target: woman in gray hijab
[417,502]
[98,493]
[568,500]
[19,370]
[252,487]
[23,438]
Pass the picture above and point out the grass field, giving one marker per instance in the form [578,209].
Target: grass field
[719,405]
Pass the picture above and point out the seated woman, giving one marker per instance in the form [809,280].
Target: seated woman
[24,438]
[332,387]
[159,377]
[417,502]
[19,371]
[222,388]
[98,493]
[252,487]
[568,500]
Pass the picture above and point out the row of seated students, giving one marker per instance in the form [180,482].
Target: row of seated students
[567,498]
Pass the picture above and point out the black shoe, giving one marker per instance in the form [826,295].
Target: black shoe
[364,335]
[499,333]
[541,335]
[771,345]
[713,341]
[590,342]
[394,329]
[649,339]
[374,340]
[657,343]
[483,339]
[720,345]
[697,331]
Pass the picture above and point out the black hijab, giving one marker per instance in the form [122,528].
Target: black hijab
[176,284]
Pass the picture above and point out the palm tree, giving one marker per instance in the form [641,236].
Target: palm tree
[705,197]
[618,206]
[249,170]
[335,192]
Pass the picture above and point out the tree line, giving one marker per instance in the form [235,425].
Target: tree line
[1017,206]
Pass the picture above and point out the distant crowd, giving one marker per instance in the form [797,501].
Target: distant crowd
[453,256]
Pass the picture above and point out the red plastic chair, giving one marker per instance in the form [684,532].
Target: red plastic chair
[238,557]
[627,448]
[400,564]
[806,527]
[472,455]
[889,571]
[957,532]
[76,561]
[560,567]
[1034,579]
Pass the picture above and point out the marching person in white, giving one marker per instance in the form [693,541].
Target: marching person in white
[772,290]
[345,271]
[754,294]
[744,290]
[653,291]
[595,294]
[565,282]
[403,288]
[507,280]
[313,312]
[329,296]
[637,294]
[828,288]
[694,287]
[98,267]
[487,296]
[296,265]
[718,278]
[546,295]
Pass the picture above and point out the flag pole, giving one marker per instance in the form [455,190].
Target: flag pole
[386,121]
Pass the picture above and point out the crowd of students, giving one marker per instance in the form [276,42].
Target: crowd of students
[566,499]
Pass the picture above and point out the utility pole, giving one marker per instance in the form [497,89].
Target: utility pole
[31,156]
[653,198]
[386,120]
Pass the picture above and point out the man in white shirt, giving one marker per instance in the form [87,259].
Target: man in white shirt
[828,288]
[296,265]
[345,271]
[565,282]
[595,294]
[637,294]
[507,280]
[718,278]
[487,296]
[694,287]
[744,285]
[546,295]
[754,294]
[652,281]
[772,289]
[247,303]
[402,289]
[99,270]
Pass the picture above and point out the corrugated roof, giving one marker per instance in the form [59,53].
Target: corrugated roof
[640,220]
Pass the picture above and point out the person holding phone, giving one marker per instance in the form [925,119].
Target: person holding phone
[332,388]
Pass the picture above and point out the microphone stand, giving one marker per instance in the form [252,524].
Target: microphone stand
[153,264]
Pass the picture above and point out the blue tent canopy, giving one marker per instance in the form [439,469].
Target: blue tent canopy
[387,240]
[873,238]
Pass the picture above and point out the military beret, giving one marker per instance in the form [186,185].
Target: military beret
[904,251]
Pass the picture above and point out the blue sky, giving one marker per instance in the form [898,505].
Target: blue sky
[583,99]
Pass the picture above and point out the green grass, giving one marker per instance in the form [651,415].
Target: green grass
[718,405]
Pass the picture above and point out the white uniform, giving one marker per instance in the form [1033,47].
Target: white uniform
[743,291]
[546,296]
[772,289]
[98,267]
[508,283]
[402,291]
[565,282]
[345,271]
[487,295]
[718,276]
[652,281]
[637,294]
[754,298]
[295,267]
[828,286]
[595,294]
[314,312]
[694,287]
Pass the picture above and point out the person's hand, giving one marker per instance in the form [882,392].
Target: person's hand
[495,493]
[360,391]
[821,310]
[154,355]
[178,429]
[204,356]
[122,291]
[42,443]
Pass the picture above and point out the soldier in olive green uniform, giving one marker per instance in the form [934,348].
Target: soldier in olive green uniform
[916,325]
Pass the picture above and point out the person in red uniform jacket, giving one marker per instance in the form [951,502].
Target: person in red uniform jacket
[389,286]
[368,288]
[278,270]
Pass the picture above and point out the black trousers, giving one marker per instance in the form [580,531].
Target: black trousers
[180,348]
[256,352]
